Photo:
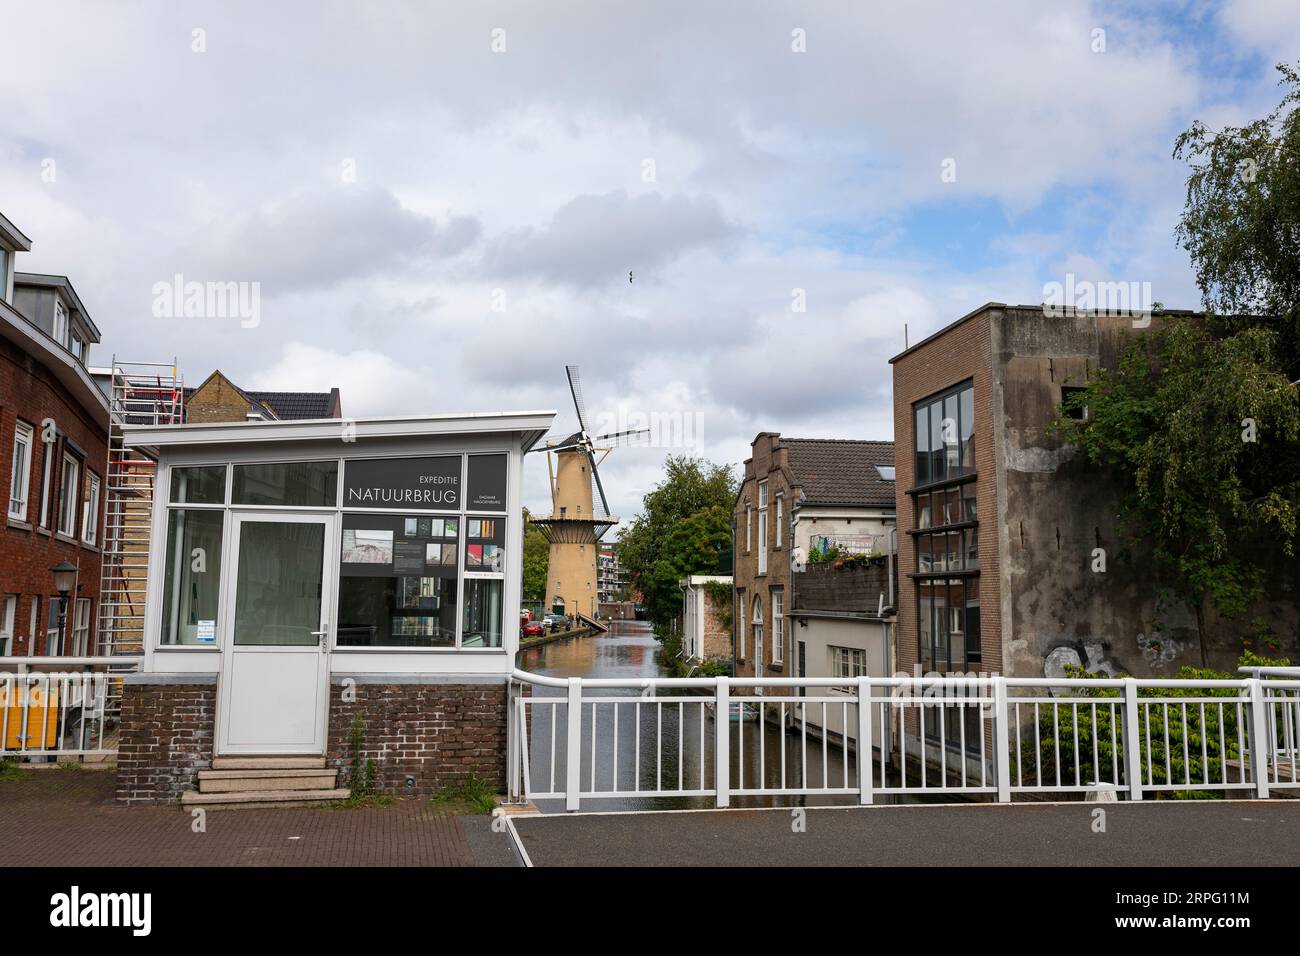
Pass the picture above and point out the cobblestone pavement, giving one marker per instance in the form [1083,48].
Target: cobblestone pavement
[55,817]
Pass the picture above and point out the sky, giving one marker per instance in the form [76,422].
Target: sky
[438,205]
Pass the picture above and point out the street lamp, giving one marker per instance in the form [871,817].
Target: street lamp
[65,579]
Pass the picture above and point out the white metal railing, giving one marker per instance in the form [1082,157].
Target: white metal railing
[582,739]
[53,707]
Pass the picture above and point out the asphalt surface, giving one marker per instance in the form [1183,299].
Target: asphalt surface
[1155,833]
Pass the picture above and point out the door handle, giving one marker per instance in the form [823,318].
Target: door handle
[323,644]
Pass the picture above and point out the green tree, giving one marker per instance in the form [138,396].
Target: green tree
[537,561]
[690,485]
[693,546]
[1199,422]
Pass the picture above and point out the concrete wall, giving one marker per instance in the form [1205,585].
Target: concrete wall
[1058,509]
[818,637]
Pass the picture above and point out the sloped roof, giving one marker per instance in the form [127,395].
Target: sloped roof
[841,471]
[295,405]
[285,406]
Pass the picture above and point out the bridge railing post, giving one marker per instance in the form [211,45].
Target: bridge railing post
[1132,740]
[1261,737]
[865,788]
[512,741]
[722,742]
[573,749]
[1002,738]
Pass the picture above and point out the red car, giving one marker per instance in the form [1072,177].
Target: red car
[533,629]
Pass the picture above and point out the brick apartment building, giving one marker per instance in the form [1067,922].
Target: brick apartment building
[799,494]
[53,430]
[998,518]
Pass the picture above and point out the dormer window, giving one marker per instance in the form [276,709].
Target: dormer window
[77,347]
[60,323]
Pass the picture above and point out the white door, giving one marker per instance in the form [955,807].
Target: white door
[275,641]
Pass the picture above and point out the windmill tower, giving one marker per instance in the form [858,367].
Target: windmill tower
[576,524]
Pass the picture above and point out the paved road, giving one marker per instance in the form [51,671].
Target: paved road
[60,817]
[1165,833]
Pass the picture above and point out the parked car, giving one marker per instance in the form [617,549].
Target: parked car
[533,629]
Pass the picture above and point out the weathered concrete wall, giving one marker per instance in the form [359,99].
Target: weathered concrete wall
[1058,509]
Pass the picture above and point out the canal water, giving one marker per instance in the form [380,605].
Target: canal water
[628,734]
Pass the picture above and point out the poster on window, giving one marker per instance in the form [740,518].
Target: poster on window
[379,545]
[485,545]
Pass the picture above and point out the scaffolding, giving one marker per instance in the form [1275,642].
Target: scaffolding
[139,393]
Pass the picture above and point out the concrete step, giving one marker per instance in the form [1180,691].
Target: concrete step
[268,763]
[255,799]
[232,781]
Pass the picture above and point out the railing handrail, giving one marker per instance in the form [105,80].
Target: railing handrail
[933,733]
[1293,672]
[110,659]
[990,681]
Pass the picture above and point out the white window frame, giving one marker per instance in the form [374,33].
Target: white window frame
[8,614]
[762,527]
[780,520]
[20,483]
[69,497]
[849,663]
[749,530]
[52,643]
[31,624]
[757,627]
[45,482]
[90,508]
[81,628]
[61,323]
[778,626]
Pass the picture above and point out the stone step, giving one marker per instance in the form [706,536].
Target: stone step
[256,799]
[231,781]
[268,763]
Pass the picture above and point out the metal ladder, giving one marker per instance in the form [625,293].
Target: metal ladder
[140,393]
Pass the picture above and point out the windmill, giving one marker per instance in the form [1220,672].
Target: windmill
[576,523]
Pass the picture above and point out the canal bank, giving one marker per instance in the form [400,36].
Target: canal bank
[629,652]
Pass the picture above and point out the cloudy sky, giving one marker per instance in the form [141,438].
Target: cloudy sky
[441,203]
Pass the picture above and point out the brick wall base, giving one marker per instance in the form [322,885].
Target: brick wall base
[437,734]
[165,739]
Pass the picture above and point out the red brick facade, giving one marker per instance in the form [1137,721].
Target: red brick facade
[29,392]
[165,739]
[438,734]
[771,462]
[960,353]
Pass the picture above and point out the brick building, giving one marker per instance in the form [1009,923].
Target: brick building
[218,399]
[999,519]
[53,430]
[706,617]
[797,496]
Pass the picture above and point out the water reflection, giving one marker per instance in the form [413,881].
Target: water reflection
[625,731]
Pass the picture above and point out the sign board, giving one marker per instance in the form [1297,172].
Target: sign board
[486,483]
[403,483]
